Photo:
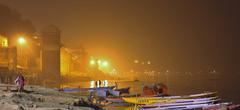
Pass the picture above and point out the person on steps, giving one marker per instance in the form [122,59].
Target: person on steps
[20,83]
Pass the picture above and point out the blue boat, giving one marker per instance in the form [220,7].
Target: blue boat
[86,89]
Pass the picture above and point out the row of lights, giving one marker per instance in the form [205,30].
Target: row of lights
[102,63]
[142,62]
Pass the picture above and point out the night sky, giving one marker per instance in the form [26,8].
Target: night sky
[180,35]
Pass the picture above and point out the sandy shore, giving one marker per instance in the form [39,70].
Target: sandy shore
[38,98]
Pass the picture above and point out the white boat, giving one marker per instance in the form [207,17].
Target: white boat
[165,99]
[178,104]
[183,101]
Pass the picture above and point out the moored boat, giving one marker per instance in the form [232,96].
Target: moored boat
[86,89]
[115,100]
[207,105]
[123,90]
[184,102]
[165,99]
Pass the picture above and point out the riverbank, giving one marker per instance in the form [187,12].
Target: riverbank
[38,98]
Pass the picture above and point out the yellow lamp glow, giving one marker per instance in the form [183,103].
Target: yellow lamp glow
[92,62]
[99,62]
[21,40]
[105,64]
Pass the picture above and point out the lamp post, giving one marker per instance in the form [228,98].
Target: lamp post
[21,41]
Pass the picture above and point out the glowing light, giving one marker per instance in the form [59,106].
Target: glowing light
[136,61]
[21,40]
[99,62]
[35,37]
[92,84]
[113,72]
[149,63]
[105,64]
[105,83]
[92,62]
[3,41]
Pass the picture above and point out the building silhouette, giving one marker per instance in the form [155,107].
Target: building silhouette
[51,76]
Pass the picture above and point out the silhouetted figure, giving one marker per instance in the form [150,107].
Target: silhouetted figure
[20,83]
[98,83]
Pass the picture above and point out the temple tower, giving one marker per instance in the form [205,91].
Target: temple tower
[50,76]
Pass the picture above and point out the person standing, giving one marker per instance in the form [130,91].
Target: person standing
[96,84]
[20,83]
[99,83]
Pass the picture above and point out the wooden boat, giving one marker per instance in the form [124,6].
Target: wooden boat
[184,107]
[187,105]
[183,102]
[123,90]
[119,99]
[219,106]
[86,89]
[115,100]
[165,99]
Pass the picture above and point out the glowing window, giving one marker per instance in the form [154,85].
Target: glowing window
[3,41]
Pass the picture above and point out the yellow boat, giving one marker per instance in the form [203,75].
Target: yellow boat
[168,99]
[148,100]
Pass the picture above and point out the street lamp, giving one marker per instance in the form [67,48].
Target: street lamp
[21,40]
[92,62]
[21,59]
[105,64]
